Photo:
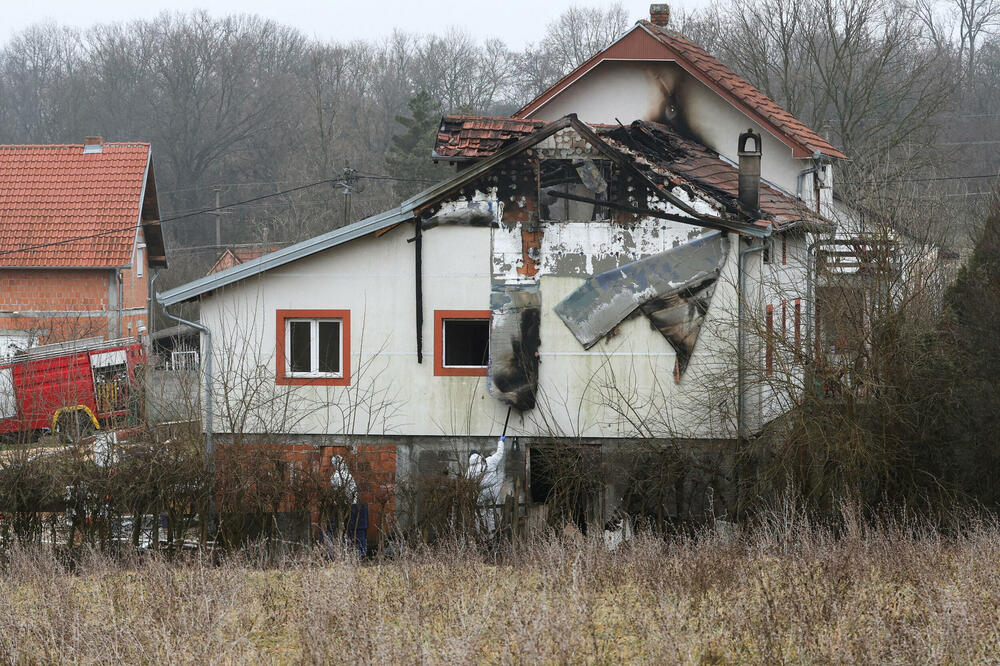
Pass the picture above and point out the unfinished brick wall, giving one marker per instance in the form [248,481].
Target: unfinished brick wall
[69,304]
[66,300]
[135,292]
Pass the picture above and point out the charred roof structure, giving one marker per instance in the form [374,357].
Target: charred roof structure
[663,155]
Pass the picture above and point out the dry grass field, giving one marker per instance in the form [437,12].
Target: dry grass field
[777,593]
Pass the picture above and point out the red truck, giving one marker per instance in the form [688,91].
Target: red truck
[83,383]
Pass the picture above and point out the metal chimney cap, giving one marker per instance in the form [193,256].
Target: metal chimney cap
[745,138]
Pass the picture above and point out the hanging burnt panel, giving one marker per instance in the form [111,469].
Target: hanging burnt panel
[580,177]
[514,342]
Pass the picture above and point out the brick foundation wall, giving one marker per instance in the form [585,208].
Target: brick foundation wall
[372,466]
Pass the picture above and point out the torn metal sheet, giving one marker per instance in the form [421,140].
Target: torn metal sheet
[675,287]
[679,316]
[514,340]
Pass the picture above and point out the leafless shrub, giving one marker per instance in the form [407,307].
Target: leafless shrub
[438,507]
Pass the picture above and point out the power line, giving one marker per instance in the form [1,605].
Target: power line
[402,180]
[369,176]
[917,180]
[108,232]
[202,211]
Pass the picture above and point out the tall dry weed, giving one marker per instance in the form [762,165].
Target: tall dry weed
[783,589]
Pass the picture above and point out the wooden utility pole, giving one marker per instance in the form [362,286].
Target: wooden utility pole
[218,215]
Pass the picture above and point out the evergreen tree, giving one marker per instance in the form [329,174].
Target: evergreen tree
[970,333]
[410,153]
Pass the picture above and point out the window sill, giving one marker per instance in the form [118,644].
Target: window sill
[307,380]
[461,371]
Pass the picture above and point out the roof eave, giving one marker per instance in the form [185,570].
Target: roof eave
[209,283]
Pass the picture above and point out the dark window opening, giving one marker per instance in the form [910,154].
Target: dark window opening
[300,348]
[466,342]
[329,346]
[568,479]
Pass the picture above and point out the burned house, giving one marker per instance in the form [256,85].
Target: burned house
[578,283]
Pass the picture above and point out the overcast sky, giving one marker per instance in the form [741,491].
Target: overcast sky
[517,22]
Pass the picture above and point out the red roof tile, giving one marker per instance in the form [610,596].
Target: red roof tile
[702,61]
[235,256]
[468,137]
[52,194]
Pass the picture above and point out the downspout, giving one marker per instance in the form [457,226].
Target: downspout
[206,353]
[121,300]
[741,342]
[814,169]
[418,283]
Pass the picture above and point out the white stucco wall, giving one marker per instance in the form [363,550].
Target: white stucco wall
[620,387]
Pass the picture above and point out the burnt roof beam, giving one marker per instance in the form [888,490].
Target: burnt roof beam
[717,223]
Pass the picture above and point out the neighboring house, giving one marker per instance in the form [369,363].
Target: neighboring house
[578,280]
[79,230]
[234,256]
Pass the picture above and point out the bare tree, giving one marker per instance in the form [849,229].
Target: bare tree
[863,73]
[580,32]
[39,79]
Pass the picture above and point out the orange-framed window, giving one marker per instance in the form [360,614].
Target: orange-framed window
[461,343]
[313,347]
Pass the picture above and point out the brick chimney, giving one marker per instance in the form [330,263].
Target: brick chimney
[659,14]
[749,178]
[93,144]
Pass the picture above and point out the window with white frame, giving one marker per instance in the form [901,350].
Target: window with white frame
[313,347]
[461,343]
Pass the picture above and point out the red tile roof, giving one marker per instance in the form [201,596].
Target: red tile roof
[651,42]
[469,137]
[698,60]
[52,194]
